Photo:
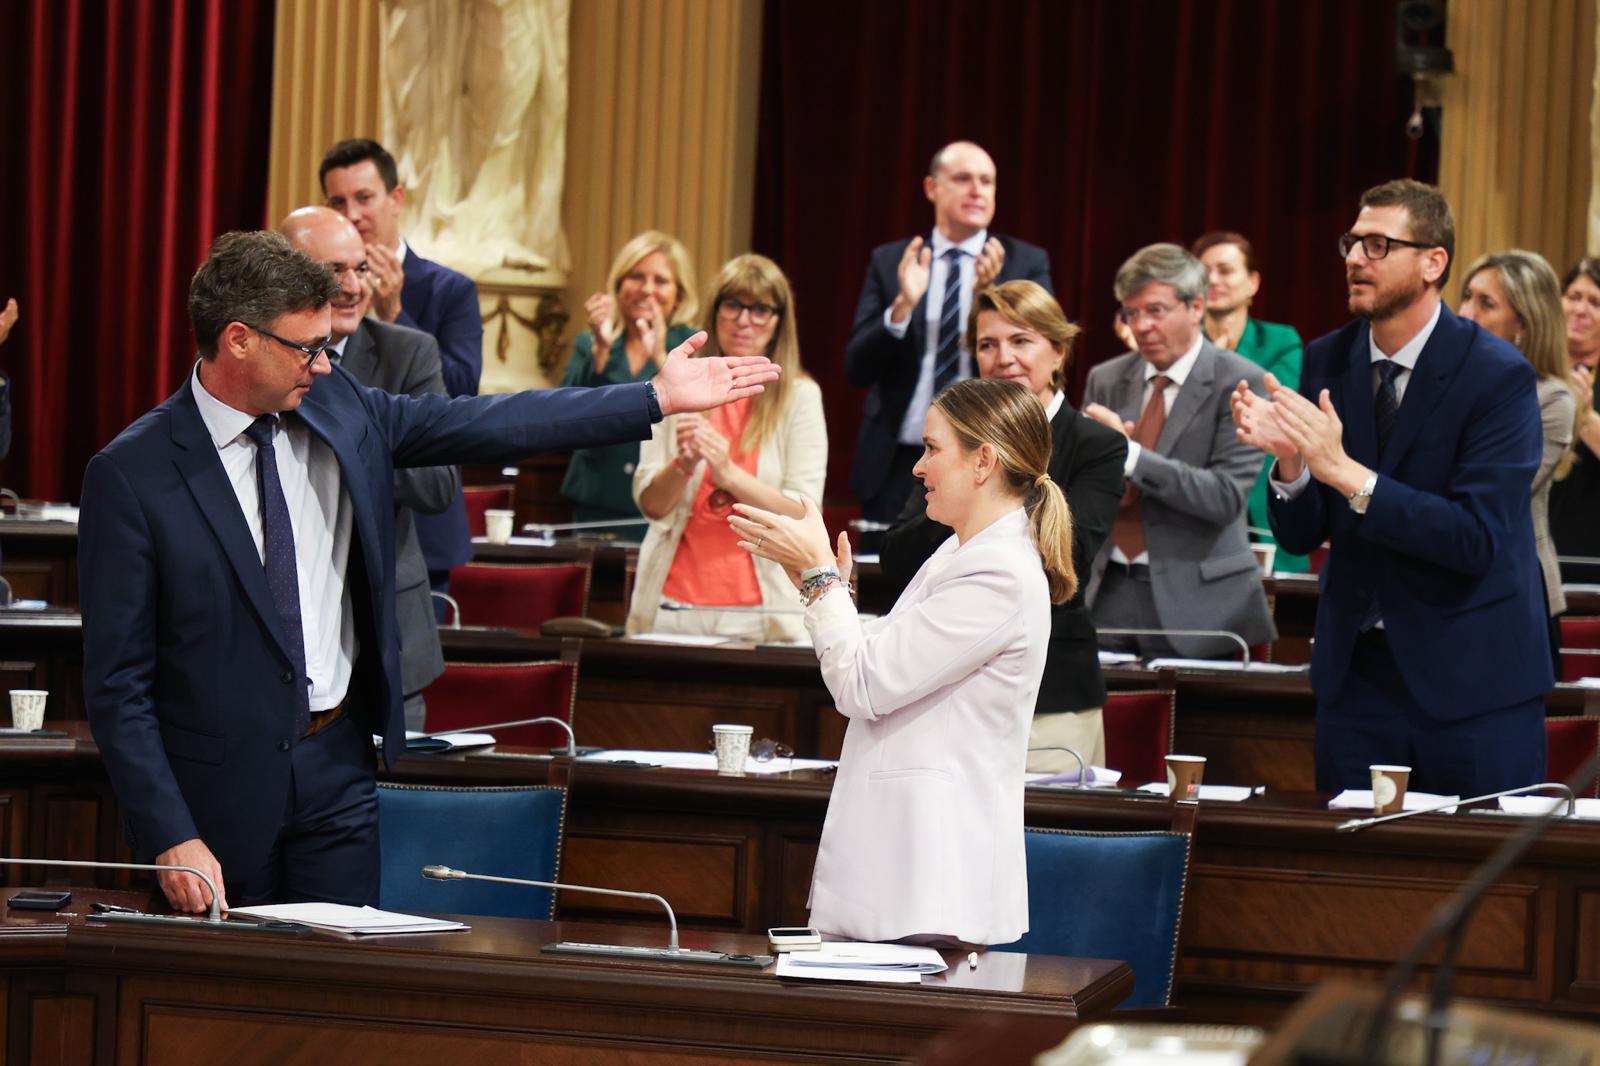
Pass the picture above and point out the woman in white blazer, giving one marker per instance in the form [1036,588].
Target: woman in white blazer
[923,840]
[768,450]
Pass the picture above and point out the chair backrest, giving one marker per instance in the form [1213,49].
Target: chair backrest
[472,694]
[1580,648]
[481,498]
[504,832]
[1568,744]
[1138,728]
[1109,896]
[521,596]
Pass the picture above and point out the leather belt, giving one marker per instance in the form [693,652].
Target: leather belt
[321,720]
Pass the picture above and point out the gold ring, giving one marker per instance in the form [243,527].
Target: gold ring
[759,542]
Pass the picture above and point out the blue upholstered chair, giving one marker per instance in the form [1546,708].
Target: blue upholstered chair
[1109,896]
[504,832]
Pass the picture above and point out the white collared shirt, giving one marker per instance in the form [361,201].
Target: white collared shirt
[1053,408]
[1406,359]
[933,303]
[320,517]
[1176,375]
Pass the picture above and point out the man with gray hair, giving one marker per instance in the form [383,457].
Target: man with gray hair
[1179,555]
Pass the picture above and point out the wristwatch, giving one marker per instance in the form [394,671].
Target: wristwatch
[1363,496]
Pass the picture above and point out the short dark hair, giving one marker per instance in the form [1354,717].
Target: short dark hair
[1432,222]
[1587,267]
[359,150]
[254,277]
[1227,236]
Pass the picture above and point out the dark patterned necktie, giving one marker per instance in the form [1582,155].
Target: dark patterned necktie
[1127,532]
[1386,404]
[947,357]
[283,576]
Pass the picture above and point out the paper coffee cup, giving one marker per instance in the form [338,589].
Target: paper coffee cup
[1184,773]
[497,525]
[1389,788]
[733,747]
[27,708]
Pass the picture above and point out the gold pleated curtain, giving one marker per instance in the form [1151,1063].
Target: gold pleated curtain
[1516,159]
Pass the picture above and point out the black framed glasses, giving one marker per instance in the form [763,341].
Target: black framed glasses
[310,353]
[1375,245]
[760,314]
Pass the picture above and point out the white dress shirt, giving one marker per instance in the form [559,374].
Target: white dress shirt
[321,518]
[1405,359]
[1176,375]
[938,275]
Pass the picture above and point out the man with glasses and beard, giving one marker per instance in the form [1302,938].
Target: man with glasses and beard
[1411,449]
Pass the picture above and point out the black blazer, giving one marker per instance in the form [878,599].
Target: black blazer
[1086,460]
[889,366]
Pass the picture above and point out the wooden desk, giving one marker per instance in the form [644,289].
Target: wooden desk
[1277,899]
[81,992]
[40,559]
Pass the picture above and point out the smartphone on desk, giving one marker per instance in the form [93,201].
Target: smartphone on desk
[37,899]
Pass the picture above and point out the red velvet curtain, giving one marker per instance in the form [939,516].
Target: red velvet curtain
[134,132]
[1113,123]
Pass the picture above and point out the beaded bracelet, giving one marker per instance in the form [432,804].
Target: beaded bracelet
[815,578]
[812,593]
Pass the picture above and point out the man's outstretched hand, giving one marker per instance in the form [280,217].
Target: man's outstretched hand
[686,384]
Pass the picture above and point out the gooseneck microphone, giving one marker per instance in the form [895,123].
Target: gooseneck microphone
[572,738]
[212,920]
[1083,769]
[673,952]
[1357,824]
[1244,649]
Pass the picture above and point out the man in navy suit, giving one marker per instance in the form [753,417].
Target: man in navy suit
[1411,449]
[237,562]
[905,344]
[361,182]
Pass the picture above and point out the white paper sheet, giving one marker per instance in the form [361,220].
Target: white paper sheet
[691,760]
[1360,799]
[1226,665]
[1099,777]
[1537,805]
[843,961]
[341,918]
[696,640]
[1117,658]
[1218,793]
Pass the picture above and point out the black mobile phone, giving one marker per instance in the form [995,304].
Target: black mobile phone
[35,899]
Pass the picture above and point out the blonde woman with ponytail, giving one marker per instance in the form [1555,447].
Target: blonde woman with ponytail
[923,839]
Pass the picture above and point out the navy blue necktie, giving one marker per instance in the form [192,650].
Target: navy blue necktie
[1386,404]
[947,357]
[283,576]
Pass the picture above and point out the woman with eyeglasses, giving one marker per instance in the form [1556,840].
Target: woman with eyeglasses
[768,451]
[1018,332]
[647,309]
[1515,295]
[1575,499]
[923,839]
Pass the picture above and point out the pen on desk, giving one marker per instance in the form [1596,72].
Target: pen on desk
[112,908]
[972,960]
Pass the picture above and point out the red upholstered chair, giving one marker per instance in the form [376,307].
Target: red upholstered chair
[474,694]
[481,498]
[1569,742]
[522,596]
[1580,648]
[1139,734]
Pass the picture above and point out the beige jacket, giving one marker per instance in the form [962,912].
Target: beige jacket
[1557,407]
[794,460]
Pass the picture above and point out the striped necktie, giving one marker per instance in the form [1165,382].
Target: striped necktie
[1386,404]
[947,357]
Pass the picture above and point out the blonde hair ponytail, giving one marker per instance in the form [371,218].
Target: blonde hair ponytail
[1051,521]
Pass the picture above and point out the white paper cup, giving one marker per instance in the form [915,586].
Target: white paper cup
[1184,774]
[27,708]
[1389,788]
[733,747]
[497,525]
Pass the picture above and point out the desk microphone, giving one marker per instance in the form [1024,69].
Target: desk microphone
[674,605]
[547,529]
[1244,649]
[212,920]
[1083,769]
[572,739]
[672,952]
[1357,824]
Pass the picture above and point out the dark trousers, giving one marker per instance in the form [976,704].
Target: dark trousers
[327,850]
[1376,719]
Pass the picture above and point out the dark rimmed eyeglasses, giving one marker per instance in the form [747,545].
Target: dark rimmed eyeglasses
[1375,245]
[760,314]
[310,353]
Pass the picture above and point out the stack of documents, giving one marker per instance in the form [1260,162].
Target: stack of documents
[1536,805]
[339,918]
[693,760]
[1209,793]
[1227,664]
[900,964]
[1099,777]
[1360,799]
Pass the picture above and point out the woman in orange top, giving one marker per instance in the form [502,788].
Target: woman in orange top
[766,451]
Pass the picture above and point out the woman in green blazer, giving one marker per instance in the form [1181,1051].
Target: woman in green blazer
[1231,261]
[647,309]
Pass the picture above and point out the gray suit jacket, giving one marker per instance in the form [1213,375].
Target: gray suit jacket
[1196,482]
[406,361]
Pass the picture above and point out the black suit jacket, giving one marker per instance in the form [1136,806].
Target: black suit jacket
[406,362]
[1086,461]
[889,366]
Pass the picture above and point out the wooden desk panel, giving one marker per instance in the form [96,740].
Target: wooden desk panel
[487,995]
